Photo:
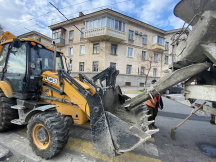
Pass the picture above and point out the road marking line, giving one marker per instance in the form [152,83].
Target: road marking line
[87,148]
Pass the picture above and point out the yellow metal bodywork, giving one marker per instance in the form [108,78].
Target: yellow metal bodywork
[6,88]
[4,37]
[79,107]
[7,37]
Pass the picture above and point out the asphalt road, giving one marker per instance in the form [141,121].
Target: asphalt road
[195,141]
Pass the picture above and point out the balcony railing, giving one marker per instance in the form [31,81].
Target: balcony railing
[105,33]
[59,42]
[158,48]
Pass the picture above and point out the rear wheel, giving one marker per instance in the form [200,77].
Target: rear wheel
[48,133]
[6,112]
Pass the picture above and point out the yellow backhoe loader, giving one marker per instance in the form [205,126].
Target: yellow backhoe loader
[36,90]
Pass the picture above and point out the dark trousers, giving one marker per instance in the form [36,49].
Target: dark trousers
[153,112]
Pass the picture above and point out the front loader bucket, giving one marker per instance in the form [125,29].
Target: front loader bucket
[116,130]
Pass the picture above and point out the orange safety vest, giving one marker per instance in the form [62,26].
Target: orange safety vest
[154,103]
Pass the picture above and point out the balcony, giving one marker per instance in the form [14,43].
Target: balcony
[104,34]
[59,42]
[158,48]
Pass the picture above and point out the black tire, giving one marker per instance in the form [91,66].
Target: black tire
[54,131]
[6,112]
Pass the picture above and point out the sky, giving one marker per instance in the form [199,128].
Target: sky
[22,16]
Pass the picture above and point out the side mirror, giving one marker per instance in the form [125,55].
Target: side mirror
[16,43]
[69,68]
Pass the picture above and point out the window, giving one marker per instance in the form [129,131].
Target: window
[143,55]
[167,46]
[3,56]
[70,51]
[96,48]
[166,60]
[82,32]
[95,66]
[81,66]
[154,72]
[113,49]
[144,37]
[105,22]
[71,35]
[128,69]
[58,33]
[130,52]
[112,64]
[159,40]
[17,60]
[82,50]
[155,57]
[142,70]
[130,35]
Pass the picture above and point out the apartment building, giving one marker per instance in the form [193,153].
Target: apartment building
[108,38]
[47,41]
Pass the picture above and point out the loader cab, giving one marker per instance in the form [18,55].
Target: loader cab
[21,65]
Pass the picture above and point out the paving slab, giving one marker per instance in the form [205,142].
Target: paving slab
[4,152]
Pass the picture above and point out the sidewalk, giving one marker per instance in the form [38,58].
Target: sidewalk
[128,89]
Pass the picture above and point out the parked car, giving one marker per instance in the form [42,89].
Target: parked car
[174,89]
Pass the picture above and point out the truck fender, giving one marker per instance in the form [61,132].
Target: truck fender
[39,109]
[6,88]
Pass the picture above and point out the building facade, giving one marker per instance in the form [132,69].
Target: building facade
[107,38]
[47,41]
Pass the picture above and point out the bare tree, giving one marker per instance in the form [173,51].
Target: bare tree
[149,64]
[1,29]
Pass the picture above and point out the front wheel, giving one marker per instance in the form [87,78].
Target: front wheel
[48,133]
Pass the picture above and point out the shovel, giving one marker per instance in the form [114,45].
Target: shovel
[172,135]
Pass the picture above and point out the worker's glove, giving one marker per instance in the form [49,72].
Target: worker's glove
[161,108]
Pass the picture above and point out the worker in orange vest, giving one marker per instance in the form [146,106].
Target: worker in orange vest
[153,108]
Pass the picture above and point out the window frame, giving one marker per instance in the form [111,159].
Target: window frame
[156,58]
[131,34]
[69,51]
[82,32]
[81,66]
[166,59]
[159,42]
[128,69]
[144,52]
[115,49]
[71,31]
[166,45]
[112,63]
[154,72]
[142,70]
[93,67]
[144,37]
[97,47]
[81,49]
[132,54]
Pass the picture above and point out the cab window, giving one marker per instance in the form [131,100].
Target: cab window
[17,60]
